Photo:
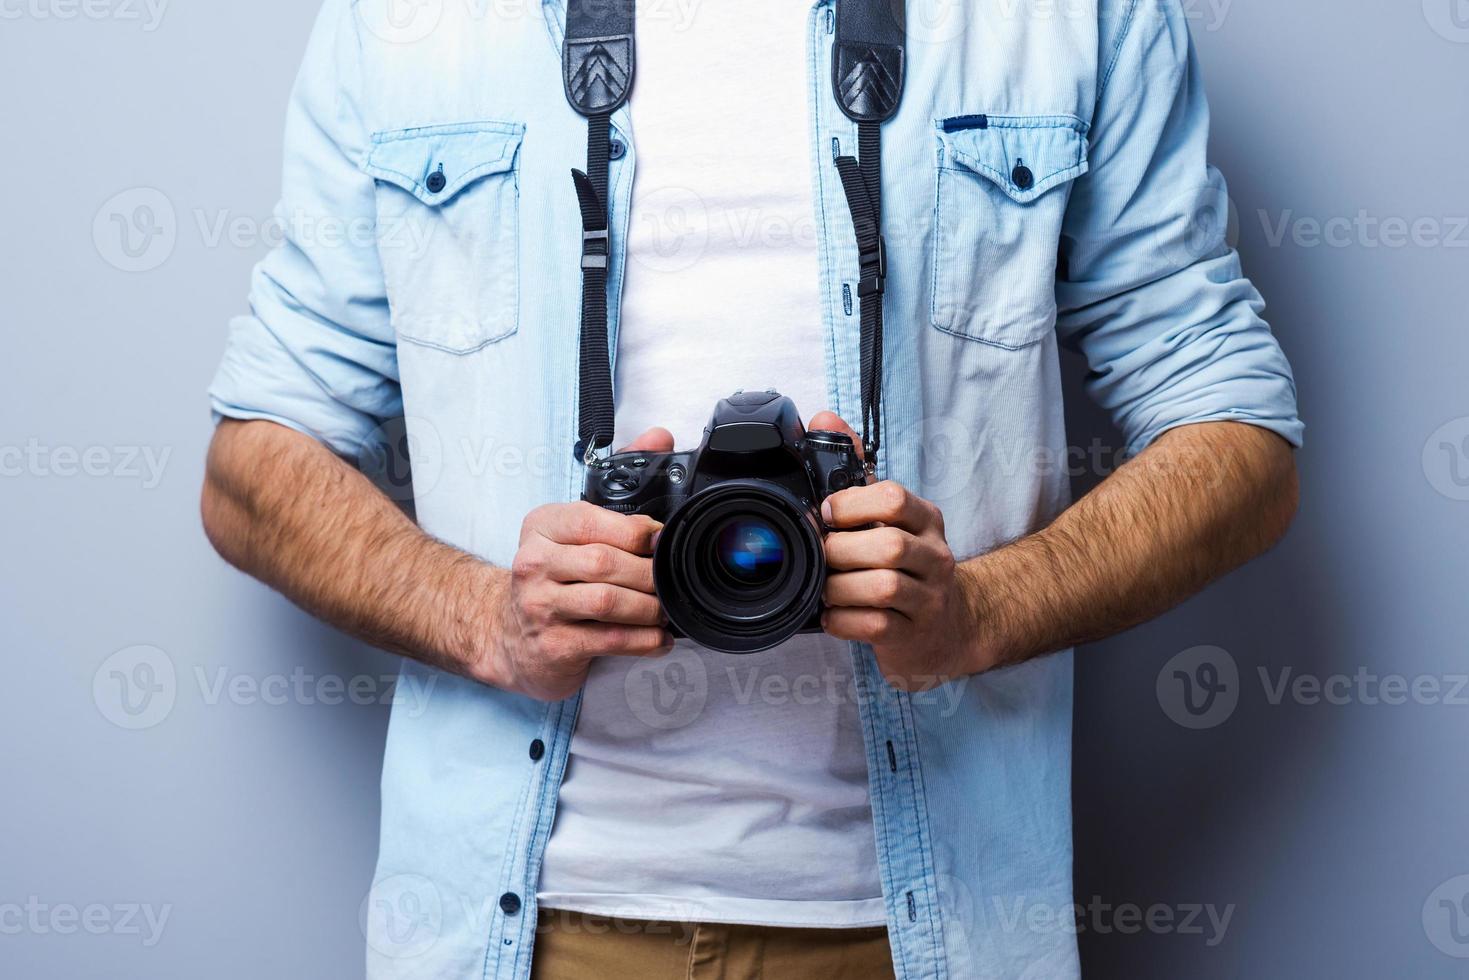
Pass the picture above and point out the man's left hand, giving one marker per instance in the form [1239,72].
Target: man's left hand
[896,585]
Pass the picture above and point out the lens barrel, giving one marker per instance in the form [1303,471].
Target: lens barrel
[740,566]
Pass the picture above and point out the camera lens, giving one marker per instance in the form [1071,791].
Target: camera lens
[750,552]
[739,567]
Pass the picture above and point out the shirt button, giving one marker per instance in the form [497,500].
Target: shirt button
[537,749]
[436,181]
[510,903]
[616,149]
[1022,176]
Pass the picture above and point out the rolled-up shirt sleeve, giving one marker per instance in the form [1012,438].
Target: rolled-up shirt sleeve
[316,351]
[1149,290]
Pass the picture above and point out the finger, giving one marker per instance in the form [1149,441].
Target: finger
[598,603]
[832,422]
[885,547]
[881,503]
[603,640]
[866,625]
[584,523]
[655,440]
[878,588]
[599,563]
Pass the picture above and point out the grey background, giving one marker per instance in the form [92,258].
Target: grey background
[1331,831]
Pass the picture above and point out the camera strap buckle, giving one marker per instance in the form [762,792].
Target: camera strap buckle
[594,256]
[874,266]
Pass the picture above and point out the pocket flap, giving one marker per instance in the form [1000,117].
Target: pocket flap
[434,163]
[1024,156]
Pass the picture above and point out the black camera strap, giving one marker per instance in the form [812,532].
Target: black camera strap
[867,79]
[597,68]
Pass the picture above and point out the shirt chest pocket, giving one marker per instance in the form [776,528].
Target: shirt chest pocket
[1003,184]
[448,216]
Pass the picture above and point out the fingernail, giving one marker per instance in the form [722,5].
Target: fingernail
[826,511]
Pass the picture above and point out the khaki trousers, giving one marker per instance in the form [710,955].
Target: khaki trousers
[575,946]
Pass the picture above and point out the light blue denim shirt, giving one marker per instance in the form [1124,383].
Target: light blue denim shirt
[453,304]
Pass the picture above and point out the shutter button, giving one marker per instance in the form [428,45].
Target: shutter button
[436,181]
[510,903]
[1022,176]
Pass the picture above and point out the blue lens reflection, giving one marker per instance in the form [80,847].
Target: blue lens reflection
[751,551]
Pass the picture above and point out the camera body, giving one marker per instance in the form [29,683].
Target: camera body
[740,565]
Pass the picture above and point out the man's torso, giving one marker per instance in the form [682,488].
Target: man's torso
[972,396]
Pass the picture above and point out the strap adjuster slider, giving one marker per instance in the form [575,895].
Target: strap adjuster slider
[874,270]
[592,258]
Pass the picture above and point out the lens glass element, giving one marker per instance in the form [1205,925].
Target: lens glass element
[739,567]
[750,551]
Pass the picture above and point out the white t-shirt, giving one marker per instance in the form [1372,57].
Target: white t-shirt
[705,786]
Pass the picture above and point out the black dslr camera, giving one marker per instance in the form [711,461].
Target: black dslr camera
[739,566]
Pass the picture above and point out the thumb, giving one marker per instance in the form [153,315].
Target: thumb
[832,422]
[655,440]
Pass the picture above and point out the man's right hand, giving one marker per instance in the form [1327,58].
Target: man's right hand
[282,507]
[580,587]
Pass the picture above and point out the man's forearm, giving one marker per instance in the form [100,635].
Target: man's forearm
[1200,501]
[283,508]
